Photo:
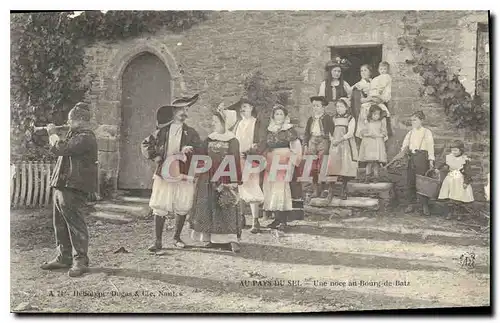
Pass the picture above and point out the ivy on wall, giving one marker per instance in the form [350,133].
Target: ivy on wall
[265,94]
[47,70]
[438,83]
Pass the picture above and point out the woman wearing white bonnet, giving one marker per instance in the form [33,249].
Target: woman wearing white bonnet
[216,217]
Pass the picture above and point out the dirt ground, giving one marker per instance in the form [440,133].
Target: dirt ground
[393,261]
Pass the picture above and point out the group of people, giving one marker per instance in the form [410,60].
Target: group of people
[349,125]
[358,116]
[361,117]
[354,132]
[212,200]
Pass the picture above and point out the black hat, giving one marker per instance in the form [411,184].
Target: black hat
[165,113]
[185,101]
[319,98]
[234,103]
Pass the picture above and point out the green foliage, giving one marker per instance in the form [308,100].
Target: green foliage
[438,83]
[47,70]
[265,94]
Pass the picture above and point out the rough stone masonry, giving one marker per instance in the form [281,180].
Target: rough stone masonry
[291,47]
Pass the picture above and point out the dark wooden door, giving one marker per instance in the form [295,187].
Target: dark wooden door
[145,87]
[358,55]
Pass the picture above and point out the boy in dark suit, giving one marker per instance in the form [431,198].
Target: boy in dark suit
[317,134]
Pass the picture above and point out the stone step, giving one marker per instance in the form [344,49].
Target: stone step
[382,189]
[353,202]
[326,213]
[136,210]
[133,199]
[111,217]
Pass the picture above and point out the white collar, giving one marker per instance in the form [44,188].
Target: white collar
[276,128]
[226,136]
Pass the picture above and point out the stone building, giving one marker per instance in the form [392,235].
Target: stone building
[135,76]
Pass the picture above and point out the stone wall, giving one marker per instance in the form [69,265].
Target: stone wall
[291,48]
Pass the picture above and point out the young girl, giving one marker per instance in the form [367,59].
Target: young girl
[247,132]
[343,154]
[372,149]
[283,145]
[419,146]
[456,186]
[379,93]
[334,87]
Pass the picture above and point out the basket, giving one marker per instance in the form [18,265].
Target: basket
[429,186]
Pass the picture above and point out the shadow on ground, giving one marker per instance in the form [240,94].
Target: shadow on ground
[333,299]
[279,254]
[379,235]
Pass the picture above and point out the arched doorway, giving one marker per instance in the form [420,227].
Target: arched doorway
[146,83]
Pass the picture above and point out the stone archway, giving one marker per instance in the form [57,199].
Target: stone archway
[111,146]
[145,87]
[123,58]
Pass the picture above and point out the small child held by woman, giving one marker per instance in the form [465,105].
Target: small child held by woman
[380,86]
[456,187]
[372,149]
[379,93]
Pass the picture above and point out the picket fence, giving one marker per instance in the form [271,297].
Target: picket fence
[30,184]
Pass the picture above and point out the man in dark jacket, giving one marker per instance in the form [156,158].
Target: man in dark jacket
[171,197]
[75,176]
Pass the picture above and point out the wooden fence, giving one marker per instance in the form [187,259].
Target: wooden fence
[30,184]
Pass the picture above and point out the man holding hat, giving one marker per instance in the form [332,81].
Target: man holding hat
[75,176]
[171,147]
[317,134]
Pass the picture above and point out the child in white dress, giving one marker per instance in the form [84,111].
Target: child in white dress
[456,186]
[380,94]
[372,149]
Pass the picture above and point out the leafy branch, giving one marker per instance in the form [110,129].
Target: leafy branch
[438,83]
[48,66]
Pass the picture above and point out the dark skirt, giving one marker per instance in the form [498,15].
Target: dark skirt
[213,211]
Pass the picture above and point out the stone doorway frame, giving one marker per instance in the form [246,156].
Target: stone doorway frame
[109,106]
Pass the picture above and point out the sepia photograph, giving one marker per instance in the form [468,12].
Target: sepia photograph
[250,161]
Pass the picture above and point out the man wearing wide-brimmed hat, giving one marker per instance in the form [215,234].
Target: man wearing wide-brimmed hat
[171,147]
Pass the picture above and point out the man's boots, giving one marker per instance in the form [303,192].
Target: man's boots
[179,224]
[80,266]
[159,224]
